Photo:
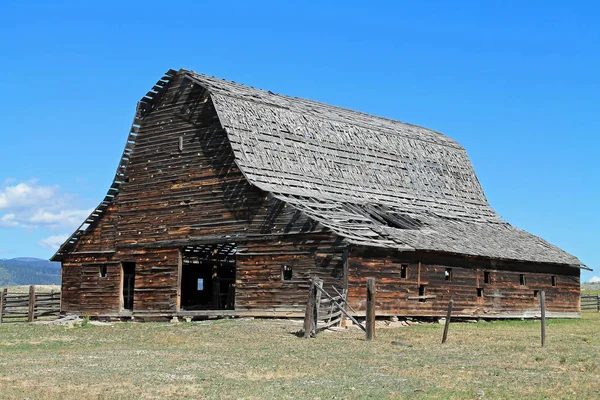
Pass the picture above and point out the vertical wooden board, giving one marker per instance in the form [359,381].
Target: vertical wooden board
[371,297]
[31,311]
[543,316]
[2,297]
[179,275]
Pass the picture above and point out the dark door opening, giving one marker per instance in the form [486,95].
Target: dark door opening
[128,285]
[208,277]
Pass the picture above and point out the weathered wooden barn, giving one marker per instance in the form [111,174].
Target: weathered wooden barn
[228,199]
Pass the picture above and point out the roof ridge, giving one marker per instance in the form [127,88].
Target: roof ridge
[449,141]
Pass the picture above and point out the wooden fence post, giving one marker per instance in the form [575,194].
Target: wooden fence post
[2,297]
[309,317]
[543,316]
[370,308]
[319,283]
[31,314]
[447,324]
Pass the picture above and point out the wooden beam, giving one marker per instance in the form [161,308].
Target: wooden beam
[543,316]
[2,296]
[309,317]
[343,299]
[344,311]
[319,283]
[447,324]
[31,313]
[179,272]
[370,308]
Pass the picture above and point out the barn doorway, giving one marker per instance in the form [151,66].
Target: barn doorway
[208,277]
[128,284]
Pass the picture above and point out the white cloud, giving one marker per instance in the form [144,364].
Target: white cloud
[595,279]
[53,242]
[29,205]
[26,194]
[8,221]
[65,217]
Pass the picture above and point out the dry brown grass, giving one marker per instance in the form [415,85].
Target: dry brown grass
[263,359]
[25,288]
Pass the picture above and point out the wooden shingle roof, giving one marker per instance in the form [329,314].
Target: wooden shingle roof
[375,181]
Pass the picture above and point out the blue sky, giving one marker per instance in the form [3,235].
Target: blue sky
[516,83]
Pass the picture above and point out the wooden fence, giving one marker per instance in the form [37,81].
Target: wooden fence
[323,310]
[27,307]
[590,302]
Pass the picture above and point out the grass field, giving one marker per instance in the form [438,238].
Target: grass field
[263,359]
[25,288]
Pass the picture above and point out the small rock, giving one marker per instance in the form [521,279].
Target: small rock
[398,343]
[100,323]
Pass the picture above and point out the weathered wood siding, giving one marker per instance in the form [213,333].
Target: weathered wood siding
[182,184]
[182,180]
[156,273]
[84,290]
[259,283]
[503,296]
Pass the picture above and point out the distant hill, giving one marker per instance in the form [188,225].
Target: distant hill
[590,288]
[29,271]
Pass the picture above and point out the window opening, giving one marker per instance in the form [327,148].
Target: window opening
[422,293]
[403,271]
[553,280]
[286,273]
[103,271]
[200,284]
[448,274]
[535,293]
[522,280]
[486,277]
[479,292]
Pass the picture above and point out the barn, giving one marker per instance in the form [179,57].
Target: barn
[228,199]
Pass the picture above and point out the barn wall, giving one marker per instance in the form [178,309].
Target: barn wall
[503,296]
[101,236]
[182,180]
[84,290]
[259,283]
[156,273]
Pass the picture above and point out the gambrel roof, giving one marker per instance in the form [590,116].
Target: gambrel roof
[374,181]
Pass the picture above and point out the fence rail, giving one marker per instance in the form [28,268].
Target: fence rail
[590,302]
[27,307]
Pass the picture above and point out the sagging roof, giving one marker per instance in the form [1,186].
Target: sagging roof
[374,181]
